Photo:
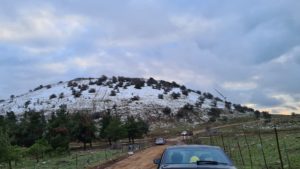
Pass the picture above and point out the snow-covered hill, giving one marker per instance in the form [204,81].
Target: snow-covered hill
[146,98]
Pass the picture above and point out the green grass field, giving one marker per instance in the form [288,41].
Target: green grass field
[234,137]
[177,128]
[79,159]
[289,142]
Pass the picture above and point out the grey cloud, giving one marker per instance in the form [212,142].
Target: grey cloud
[211,41]
[263,100]
[281,77]
[291,107]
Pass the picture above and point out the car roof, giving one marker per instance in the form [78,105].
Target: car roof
[192,146]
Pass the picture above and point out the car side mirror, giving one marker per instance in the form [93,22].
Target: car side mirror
[156,161]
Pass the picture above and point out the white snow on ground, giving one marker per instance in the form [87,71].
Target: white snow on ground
[147,104]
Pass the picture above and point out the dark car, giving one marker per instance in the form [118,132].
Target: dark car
[194,156]
[160,141]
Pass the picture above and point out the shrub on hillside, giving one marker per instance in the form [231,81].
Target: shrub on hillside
[72,84]
[175,95]
[76,94]
[214,112]
[92,90]
[200,101]
[120,84]
[138,83]
[228,105]
[91,82]
[174,84]
[27,103]
[113,93]
[38,88]
[110,86]
[242,109]
[135,98]
[83,87]
[185,92]
[108,83]
[101,80]
[61,95]
[121,79]
[213,103]
[184,111]
[151,81]
[160,96]
[188,107]
[167,110]
[208,95]
[98,82]
[114,79]
[52,96]
[257,114]
[165,84]
[212,119]
[181,114]
[167,90]
[157,86]
[266,115]
[182,87]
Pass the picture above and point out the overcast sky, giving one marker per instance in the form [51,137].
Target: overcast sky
[248,50]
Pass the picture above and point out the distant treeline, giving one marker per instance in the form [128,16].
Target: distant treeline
[38,134]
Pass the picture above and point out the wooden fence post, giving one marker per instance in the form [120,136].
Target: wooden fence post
[262,150]
[223,142]
[241,154]
[278,148]
[76,161]
[230,153]
[287,155]
[248,147]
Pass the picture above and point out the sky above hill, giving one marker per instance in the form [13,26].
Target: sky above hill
[250,51]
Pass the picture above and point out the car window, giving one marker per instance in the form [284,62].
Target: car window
[191,155]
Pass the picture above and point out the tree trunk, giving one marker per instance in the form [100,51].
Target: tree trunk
[37,158]
[130,140]
[109,141]
[84,145]
[9,164]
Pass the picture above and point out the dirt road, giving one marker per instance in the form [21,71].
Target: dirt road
[144,159]
[140,160]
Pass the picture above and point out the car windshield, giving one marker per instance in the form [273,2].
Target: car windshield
[192,155]
[159,139]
